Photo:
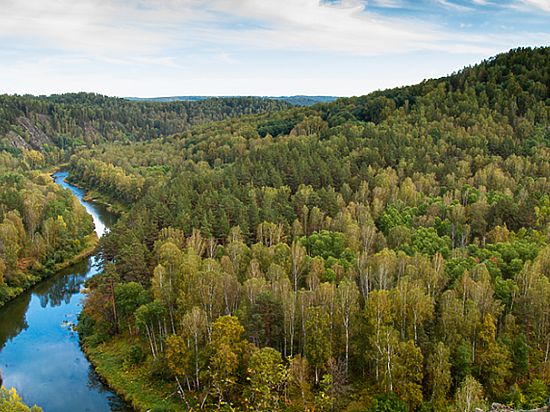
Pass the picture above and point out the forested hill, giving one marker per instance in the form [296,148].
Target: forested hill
[384,252]
[298,100]
[513,84]
[68,120]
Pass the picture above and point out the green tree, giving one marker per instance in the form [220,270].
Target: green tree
[10,401]
[439,375]
[267,376]
[469,395]
[494,359]
[227,348]
[408,374]
[318,348]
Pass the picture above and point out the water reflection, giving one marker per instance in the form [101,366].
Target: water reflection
[13,319]
[39,351]
[61,288]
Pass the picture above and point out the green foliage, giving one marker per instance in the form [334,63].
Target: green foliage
[536,394]
[42,227]
[77,119]
[328,245]
[387,403]
[393,217]
[134,357]
[428,242]
[10,401]
[426,203]
[267,376]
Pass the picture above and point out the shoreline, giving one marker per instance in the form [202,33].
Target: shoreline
[90,194]
[132,385]
[92,242]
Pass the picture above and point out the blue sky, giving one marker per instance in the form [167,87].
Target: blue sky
[253,47]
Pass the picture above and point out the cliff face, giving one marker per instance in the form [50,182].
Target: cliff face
[36,138]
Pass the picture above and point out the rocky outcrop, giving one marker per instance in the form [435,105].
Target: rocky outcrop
[36,138]
[17,141]
[497,407]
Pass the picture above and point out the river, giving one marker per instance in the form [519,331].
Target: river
[40,353]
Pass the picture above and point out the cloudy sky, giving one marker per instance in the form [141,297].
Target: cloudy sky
[252,47]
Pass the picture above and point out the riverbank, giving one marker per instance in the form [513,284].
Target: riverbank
[94,196]
[91,243]
[43,318]
[132,384]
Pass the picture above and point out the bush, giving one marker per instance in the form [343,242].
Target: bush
[134,356]
[388,402]
[158,369]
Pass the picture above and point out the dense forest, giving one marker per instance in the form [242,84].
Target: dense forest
[384,252]
[388,252]
[57,124]
[294,100]
[42,227]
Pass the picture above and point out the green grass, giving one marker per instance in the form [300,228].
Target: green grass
[133,384]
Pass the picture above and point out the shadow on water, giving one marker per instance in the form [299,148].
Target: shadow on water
[39,351]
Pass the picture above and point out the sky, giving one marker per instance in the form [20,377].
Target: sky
[151,48]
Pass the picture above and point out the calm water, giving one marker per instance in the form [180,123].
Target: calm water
[39,352]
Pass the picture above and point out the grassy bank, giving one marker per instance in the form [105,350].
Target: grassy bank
[133,384]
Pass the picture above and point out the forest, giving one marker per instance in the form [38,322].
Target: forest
[388,252]
[57,124]
[42,226]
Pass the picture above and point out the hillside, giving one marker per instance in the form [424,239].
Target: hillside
[66,121]
[298,100]
[384,252]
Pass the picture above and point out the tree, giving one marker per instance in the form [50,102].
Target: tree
[317,346]
[439,375]
[165,277]
[151,319]
[298,379]
[227,348]
[347,296]
[178,357]
[387,402]
[494,359]
[409,374]
[129,297]
[469,395]
[10,401]
[383,339]
[297,254]
[194,327]
[267,376]
[536,394]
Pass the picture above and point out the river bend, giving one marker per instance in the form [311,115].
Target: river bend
[40,353]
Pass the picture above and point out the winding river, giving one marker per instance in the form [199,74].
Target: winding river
[39,351]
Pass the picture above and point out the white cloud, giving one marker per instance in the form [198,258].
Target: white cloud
[453,6]
[388,3]
[124,46]
[539,4]
[137,28]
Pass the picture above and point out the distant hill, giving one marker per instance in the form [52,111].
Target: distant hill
[298,100]
[74,119]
